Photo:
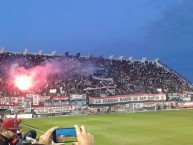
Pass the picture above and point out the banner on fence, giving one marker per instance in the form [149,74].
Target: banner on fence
[127,98]
[46,110]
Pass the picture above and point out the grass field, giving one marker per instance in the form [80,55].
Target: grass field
[147,128]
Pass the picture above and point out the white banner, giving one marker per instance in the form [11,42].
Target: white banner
[46,110]
[103,79]
[127,98]
[77,97]
[5,100]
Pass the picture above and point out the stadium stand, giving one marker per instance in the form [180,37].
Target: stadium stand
[91,76]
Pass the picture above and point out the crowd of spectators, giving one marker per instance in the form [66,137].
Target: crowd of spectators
[94,76]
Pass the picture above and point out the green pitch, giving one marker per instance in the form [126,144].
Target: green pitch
[147,128]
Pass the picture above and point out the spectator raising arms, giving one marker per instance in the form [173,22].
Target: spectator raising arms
[84,137]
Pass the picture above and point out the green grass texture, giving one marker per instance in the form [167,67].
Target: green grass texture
[143,128]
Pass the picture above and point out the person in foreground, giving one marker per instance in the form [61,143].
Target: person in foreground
[83,137]
[8,131]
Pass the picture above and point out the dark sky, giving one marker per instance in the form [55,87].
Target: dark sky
[139,28]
